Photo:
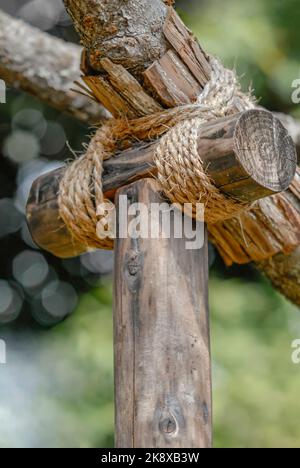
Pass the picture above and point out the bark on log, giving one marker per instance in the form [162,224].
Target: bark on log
[284,272]
[270,227]
[244,174]
[128,32]
[162,344]
[45,67]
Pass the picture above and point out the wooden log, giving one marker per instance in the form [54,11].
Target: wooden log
[270,227]
[162,344]
[284,272]
[45,67]
[175,78]
[221,146]
[129,33]
[293,127]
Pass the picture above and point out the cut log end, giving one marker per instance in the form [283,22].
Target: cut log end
[265,150]
[45,225]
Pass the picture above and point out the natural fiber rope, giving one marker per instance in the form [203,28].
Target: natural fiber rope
[179,167]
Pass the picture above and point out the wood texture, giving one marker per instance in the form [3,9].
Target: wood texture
[249,156]
[284,272]
[293,127]
[187,47]
[106,95]
[45,67]
[127,32]
[161,329]
[270,227]
[130,89]
[171,81]
[223,157]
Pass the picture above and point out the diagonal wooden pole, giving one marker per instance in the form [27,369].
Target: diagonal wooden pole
[161,333]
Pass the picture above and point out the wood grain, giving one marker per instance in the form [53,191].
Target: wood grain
[130,89]
[187,47]
[171,81]
[106,95]
[161,329]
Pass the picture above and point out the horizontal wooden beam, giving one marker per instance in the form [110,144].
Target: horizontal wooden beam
[248,156]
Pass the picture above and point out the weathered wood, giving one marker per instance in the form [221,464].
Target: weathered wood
[162,345]
[224,159]
[108,97]
[129,33]
[17,39]
[187,47]
[293,127]
[284,272]
[270,227]
[45,67]
[130,89]
[181,73]
[171,81]
[260,144]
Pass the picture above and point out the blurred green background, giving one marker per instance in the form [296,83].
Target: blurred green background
[57,387]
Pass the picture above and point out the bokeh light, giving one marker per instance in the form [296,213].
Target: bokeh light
[100,261]
[11,218]
[11,302]
[59,298]
[54,139]
[30,269]
[31,120]
[21,146]
[43,14]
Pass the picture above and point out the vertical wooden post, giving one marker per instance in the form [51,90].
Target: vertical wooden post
[162,345]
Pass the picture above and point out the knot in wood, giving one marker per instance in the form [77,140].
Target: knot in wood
[134,263]
[167,424]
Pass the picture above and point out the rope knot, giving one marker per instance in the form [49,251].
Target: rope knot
[181,174]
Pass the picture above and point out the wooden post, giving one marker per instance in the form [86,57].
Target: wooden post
[162,345]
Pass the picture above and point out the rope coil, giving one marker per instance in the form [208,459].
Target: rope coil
[180,169]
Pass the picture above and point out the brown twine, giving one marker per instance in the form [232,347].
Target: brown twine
[179,167]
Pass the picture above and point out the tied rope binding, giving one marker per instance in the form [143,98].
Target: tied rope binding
[82,204]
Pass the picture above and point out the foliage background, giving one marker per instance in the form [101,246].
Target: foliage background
[57,387]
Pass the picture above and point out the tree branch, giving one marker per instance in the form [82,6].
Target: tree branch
[128,32]
[284,272]
[45,67]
